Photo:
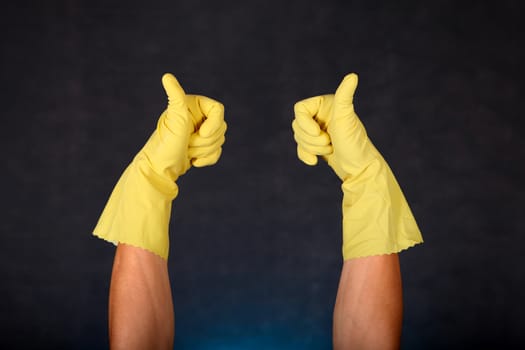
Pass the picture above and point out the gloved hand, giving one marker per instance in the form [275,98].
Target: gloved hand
[189,132]
[376,217]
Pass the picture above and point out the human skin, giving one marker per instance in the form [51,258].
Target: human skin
[368,312]
[140,302]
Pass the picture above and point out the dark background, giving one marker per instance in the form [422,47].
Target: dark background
[256,240]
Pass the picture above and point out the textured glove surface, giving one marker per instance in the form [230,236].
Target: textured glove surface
[376,217]
[189,132]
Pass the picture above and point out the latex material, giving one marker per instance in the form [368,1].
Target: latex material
[376,216]
[189,132]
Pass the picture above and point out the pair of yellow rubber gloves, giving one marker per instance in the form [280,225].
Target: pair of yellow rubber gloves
[376,217]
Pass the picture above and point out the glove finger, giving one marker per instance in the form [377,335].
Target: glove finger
[344,95]
[195,111]
[213,115]
[305,111]
[175,92]
[314,149]
[208,160]
[177,120]
[321,140]
[346,124]
[305,157]
[204,151]
[197,141]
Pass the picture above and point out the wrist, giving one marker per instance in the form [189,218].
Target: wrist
[376,216]
[163,184]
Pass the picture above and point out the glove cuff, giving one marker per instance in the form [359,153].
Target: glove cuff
[376,217]
[139,209]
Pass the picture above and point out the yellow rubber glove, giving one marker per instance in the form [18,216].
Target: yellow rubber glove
[189,132]
[376,217]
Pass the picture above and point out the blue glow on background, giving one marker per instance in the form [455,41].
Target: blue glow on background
[253,343]
[259,336]
[259,343]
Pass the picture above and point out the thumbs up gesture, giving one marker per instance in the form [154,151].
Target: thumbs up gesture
[189,132]
[376,216]
[328,126]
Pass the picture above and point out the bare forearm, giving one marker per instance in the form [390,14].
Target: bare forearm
[369,308]
[140,304]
